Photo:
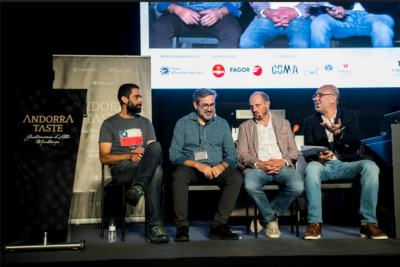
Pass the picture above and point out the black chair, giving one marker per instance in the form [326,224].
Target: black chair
[122,187]
[273,187]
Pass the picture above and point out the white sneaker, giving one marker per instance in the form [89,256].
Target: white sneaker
[273,230]
[259,225]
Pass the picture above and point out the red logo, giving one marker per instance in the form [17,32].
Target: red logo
[218,71]
[345,65]
[257,70]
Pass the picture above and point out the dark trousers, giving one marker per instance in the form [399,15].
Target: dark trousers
[146,173]
[226,30]
[230,180]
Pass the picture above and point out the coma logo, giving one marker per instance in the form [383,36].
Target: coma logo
[257,70]
[328,68]
[164,70]
[218,71]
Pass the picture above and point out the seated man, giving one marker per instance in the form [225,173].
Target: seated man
[216,18]
[338,130]
[278,18]
[268,151]
[123,140]
[203,149]
[355,19]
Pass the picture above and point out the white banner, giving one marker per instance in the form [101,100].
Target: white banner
[102,76]
[274,68]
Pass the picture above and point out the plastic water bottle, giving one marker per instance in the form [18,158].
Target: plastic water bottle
[112,234]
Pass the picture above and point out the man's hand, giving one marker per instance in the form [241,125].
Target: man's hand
[138,150]
[217,170]
[338,13]
[285,16]
[136,157]
[211,16]
[281,16]
[324,157]
[185,14]
[333,128]
[272,166]
[207,170]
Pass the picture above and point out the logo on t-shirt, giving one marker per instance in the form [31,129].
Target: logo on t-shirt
[131,137]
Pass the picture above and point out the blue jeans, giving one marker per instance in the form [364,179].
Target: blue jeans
[357,23]
[364,170]
[255,179]
[263,30]
[146,173]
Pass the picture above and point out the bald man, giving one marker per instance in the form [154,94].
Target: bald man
[267,149]
[338,130]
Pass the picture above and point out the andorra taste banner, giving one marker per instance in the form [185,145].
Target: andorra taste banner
[49,124]
[102,76]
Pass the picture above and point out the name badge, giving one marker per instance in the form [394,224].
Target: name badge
[200,155]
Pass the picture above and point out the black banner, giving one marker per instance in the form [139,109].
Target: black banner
[48,134]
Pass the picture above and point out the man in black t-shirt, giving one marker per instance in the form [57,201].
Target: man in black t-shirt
[128,144]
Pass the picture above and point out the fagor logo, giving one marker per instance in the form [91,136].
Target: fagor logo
[164,70]
[218,71]
[257,70]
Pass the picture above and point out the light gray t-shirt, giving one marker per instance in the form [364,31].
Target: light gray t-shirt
[126,134]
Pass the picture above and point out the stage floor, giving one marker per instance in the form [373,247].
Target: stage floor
[339,244]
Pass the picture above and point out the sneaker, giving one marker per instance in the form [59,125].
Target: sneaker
[133,195]
[259,222]
[313,231]
[182,234]
[221,232]
[273,230]
[156,235]
[369,230]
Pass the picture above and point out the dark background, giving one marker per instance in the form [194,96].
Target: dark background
[32,32]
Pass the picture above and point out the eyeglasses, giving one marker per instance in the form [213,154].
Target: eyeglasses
[206,106]
[319,95]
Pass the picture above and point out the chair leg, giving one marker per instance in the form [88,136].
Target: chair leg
[297,217]
[123,213]
[291,215]
[247,214]
[255,220]
[102,202]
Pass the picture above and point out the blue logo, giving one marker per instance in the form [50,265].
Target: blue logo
[328,68]
[164,70]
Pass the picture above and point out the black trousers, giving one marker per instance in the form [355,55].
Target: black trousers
[226,30]
[230,181]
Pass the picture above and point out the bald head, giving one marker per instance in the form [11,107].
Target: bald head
[332,90]
[258,94]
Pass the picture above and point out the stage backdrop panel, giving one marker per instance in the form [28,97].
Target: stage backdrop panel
[102,76]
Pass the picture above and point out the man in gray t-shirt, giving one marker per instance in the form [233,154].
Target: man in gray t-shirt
[128,145]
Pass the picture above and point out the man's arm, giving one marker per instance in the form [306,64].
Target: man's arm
[351,133]
[178,140]
[259,6]
[292,154]
[187,15]
[109,159]
[228,147]
[245,157]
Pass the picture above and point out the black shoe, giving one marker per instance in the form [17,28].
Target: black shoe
[182,234]
[133,195]
[221,232]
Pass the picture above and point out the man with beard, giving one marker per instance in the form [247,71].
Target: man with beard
[338,130]
[203,149]
[268,151]
[128,144]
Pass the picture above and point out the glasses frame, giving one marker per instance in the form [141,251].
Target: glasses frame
[212,106]
[319,95]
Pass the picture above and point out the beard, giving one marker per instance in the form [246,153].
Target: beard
[203,115]
[132,109]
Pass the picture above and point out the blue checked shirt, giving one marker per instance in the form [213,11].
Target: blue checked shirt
[216,140]
[233,7]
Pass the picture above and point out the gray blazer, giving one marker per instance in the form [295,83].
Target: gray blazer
[304,9]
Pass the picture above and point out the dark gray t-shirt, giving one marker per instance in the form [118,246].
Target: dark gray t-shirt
[126,134]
